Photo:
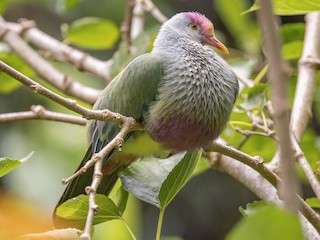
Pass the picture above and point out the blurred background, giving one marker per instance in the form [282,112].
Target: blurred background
[206,208]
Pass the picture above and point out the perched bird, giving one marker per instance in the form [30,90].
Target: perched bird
[182,93]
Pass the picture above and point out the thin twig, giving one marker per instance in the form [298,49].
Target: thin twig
[153,10]
[59,50]
[45,70]
[129,125]
[137,24]
[126,26]
[39,112]
[277,78]
[103,115]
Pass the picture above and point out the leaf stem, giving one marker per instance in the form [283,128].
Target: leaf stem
[160,220]
[128,228]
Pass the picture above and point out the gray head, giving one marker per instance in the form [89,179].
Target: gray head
[192,26]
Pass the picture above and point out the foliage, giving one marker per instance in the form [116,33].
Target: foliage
[158,181]
[8,164]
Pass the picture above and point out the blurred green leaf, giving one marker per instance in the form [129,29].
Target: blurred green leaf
[8,164]
[7,83]
[310,146]
[290,7]
[268,223]
[178,177]
[3,6]
[260,146]
[76,209]
[292,50]
[313,202]
[292,32]
[243,28]
[120,199]
[251,208]
[92,33]
[61,234]
[69,4]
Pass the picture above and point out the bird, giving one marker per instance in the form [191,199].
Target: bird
[182,93]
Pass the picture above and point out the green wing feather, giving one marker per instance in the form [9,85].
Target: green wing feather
[129,93]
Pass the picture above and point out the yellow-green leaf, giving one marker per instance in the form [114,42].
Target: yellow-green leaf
[290,7]
[92,33]
[8,164]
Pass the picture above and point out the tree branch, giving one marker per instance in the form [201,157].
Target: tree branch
[279,97]
[307,70]
[256,164]
[153,10]
[126,26]
[103,115]
[39,112]
[45,70]
[59,50]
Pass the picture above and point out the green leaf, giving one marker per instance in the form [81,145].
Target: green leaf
[313,202]
[290,7]
[292,50]
[251,208]
[145,176]
[7,83]
[243,28]
[178,177]
[156,180]
[75,210]
[120,199]
[292,32]
[92,33]
[255,97]
[61,234]
[3,6]
[69,4]
[8,164]
[268,223]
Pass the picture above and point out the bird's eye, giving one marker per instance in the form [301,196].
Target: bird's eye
[193,26]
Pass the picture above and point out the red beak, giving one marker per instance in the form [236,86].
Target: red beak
[213,41]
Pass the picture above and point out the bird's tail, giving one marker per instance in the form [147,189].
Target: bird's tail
[77,186]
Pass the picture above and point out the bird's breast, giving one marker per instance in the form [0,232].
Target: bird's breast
[193,103]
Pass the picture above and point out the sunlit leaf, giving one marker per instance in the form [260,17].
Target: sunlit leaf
[292,32]
[243,28]
[69,4]
[290,7]
[8,164]
[313,202]
[7,83]
[120,199]
[268,223]
[75,210]
[251,208]
[92,33]
[61,234]
[3,6]
[292,50]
